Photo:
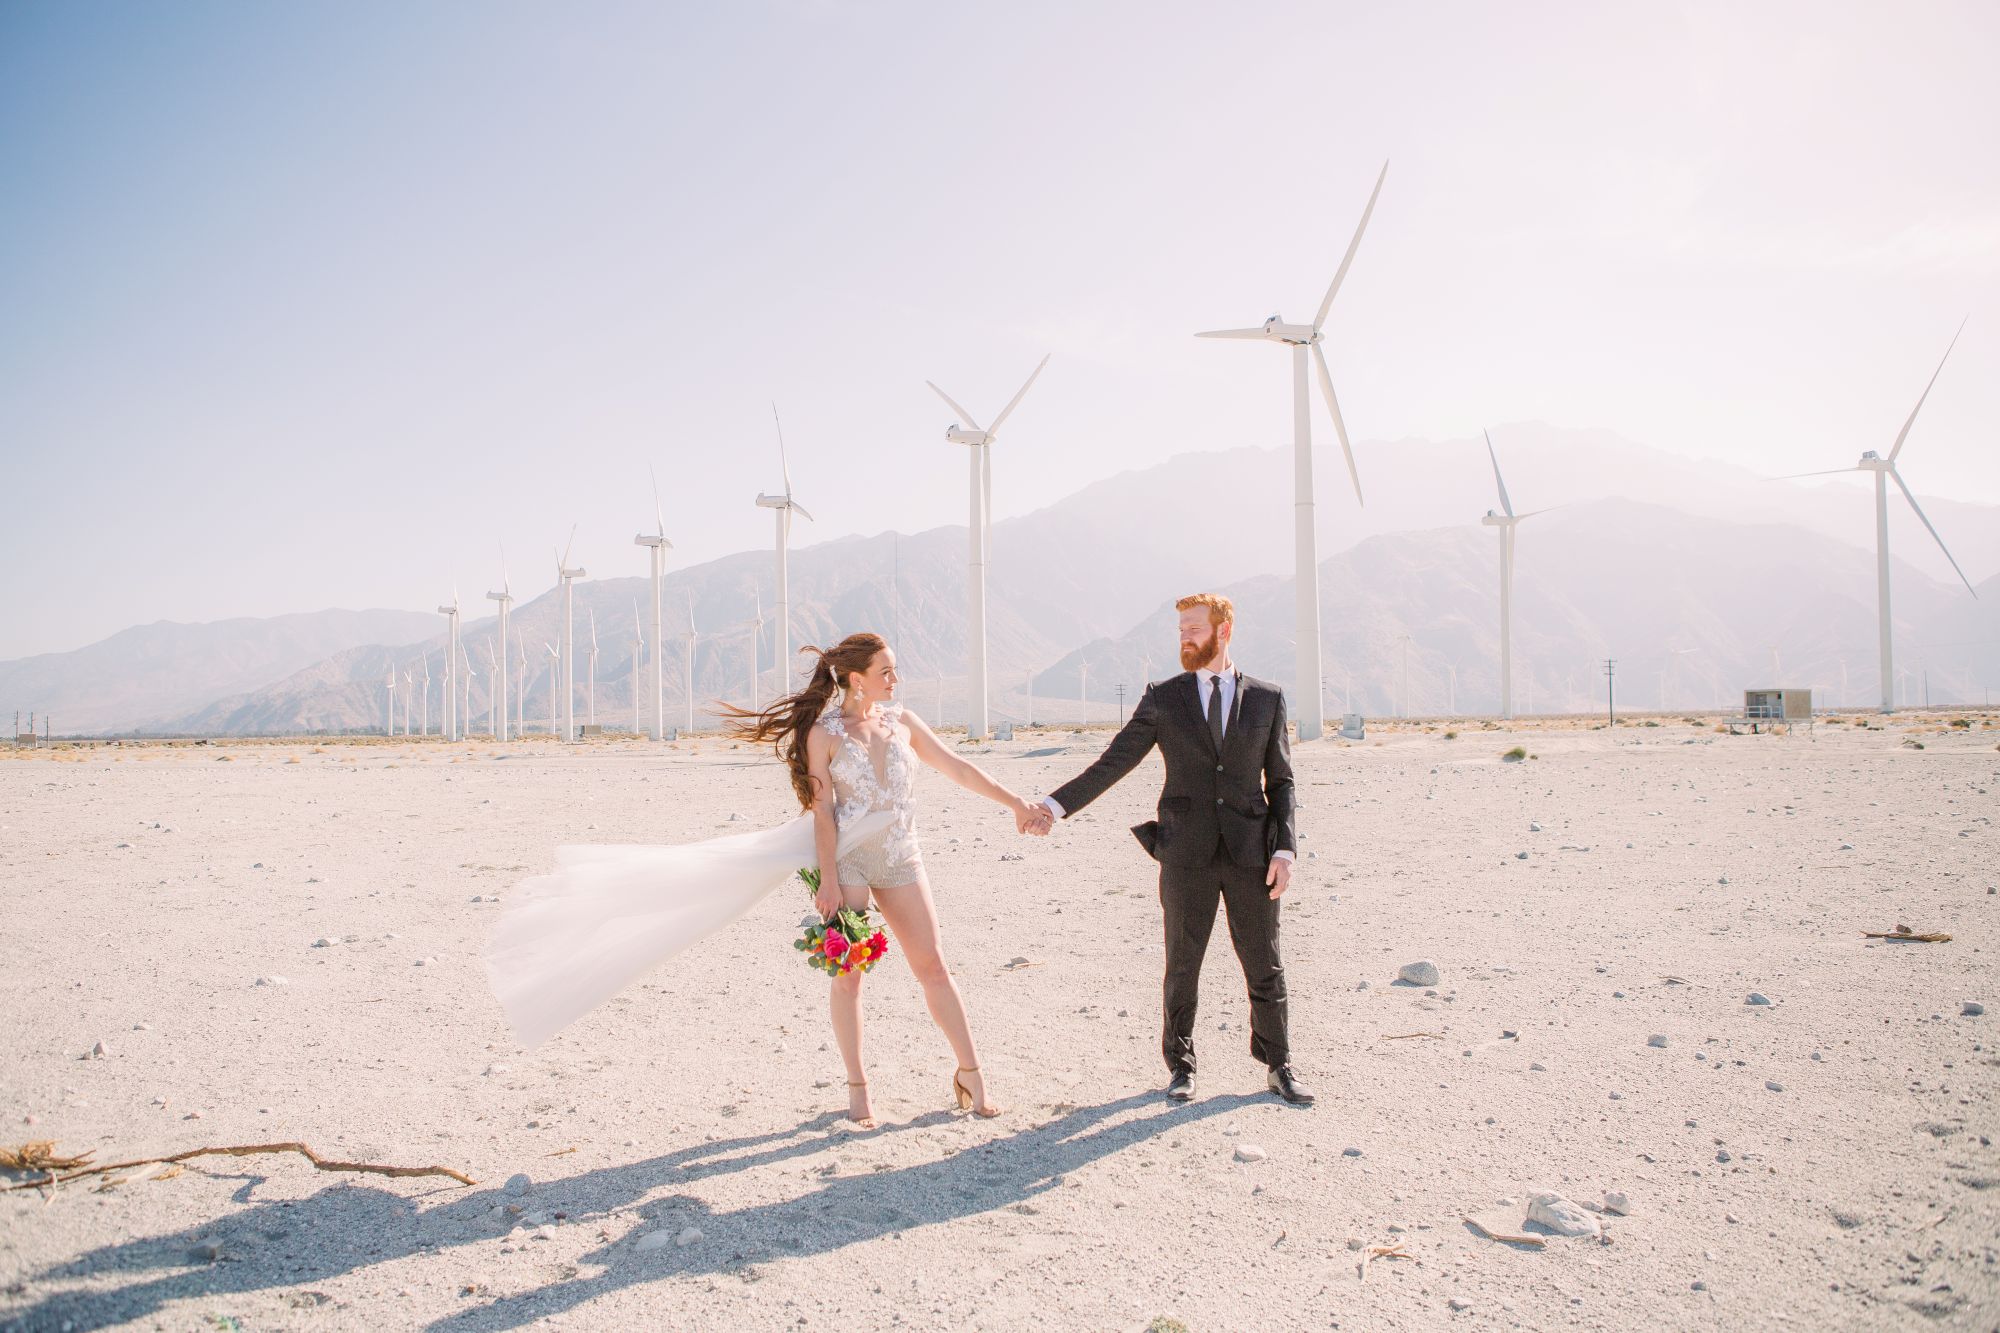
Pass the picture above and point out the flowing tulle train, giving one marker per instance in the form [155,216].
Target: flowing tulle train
[569,941]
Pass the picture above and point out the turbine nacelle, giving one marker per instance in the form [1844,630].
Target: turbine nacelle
[975,438]
[643,540]
[500,597]
[562,573]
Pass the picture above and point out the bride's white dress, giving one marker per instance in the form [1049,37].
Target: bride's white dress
[568,941]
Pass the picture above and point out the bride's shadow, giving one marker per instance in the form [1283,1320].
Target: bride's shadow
[352,1226]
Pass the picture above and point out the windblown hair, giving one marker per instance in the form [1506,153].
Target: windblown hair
[787,722]
[1221,611]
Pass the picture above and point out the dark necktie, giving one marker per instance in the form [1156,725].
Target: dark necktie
[1215,712]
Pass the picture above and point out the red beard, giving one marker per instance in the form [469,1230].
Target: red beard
[1195,657]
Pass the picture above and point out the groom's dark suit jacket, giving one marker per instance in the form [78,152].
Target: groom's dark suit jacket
[1236,805]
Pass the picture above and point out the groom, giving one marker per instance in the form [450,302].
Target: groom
[1224,833]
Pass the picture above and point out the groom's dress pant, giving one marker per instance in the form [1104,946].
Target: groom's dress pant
[1188,900]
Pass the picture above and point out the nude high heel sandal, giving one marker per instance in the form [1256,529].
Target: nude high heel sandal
[863,1122]
[964,1098]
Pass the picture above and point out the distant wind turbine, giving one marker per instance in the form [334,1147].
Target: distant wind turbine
[1885,471]
[454,724]
[656,554]
[784,506]
[590,718]
[1311,714]
[566,668]
[693,635]
[638,660]
[555,683]
[505,597]
[1505,521]
[980,537]
[427,697]
[391,728]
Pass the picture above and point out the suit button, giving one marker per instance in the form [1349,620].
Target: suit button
[1218,768]
[1218,800]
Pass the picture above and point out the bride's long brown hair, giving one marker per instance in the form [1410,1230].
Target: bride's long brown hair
[787,722]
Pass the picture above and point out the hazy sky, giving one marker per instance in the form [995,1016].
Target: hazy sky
[311,304]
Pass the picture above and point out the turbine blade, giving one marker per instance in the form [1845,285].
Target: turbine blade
[986,500]
[1506,505]
[800,510]
[1353,245]
[1907,495]
[784,464]
[1903,434]
[1339,426]
[659,514]
[1830,472]
[963,415]
[568,545]
[1015,401]
[1233,333]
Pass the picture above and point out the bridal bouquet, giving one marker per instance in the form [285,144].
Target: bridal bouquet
[850,942]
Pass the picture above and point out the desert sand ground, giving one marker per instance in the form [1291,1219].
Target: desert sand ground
[1823,1161]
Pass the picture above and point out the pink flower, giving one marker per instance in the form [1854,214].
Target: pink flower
[834,945]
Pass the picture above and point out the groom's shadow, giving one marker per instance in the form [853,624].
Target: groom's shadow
[349,1227]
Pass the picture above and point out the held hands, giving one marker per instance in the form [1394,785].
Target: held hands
[1033,817]
[1279,876]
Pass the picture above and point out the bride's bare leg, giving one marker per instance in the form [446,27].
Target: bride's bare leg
[844,1006]
[912,918]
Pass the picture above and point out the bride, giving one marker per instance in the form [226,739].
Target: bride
[853,751]
[570,940]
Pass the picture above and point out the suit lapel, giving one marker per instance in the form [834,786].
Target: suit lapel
[1191,703]
[1235,717]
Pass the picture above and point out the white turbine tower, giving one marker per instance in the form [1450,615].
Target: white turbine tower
[566,668]
[693,635]
[1885,471]
[590,697]
[1505,521]
[426,729]
[656,554]
[409,689]
[505,597]
[465,691]
[1311,713]
[454,722]
[521,688]
[784,506]
[980,539]
[390,730]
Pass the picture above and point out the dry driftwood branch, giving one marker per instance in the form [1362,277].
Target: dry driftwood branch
[1508,1235]
[248,1150]
[1382,1252]
[1904,934]
[1405,1036]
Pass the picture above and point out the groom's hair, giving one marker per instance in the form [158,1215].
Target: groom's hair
[1221,611]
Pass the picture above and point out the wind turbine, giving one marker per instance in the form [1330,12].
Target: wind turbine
[979,538]
[426,731]
[465,691]
[590,698]
[638,660]
[1885,471]
[1311,715]
[784,507]
[505,597]
[657,547]
[566,668]
[555,683]
[454,725]
[756,635]
[496,696]
[1505,521]
[391,729]
[693,635]
[521,688]
[409,689]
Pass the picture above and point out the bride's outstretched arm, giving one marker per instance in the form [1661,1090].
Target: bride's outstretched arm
[967,775]
[826,834]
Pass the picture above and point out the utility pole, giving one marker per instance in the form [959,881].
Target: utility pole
[1610,687]
[1121,707]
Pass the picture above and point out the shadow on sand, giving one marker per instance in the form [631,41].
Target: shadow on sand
[348,1228]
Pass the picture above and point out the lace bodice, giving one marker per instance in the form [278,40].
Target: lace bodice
[859,788]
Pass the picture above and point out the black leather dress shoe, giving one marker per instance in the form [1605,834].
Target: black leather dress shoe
[1287,1086]
[1181,1089]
